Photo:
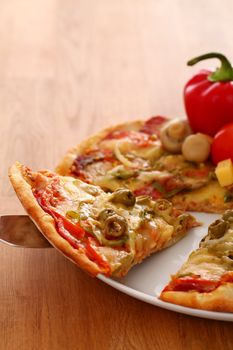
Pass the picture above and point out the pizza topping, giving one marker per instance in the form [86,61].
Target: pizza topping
[228,197]
[191,284]
[66,234]
[115,226]
[172,163]
[107,224]
[156,190]
[183,174]
[123,173]
[177,165]
[144,200]
[200,172]
[98,258]
[112,224]
[72,214]
[123,196]
[196,147]
[153,125]
[217,229]
[173,134]
[70,227]
[113,230]
[83,162]
[228,215]
[137,138]
[224,172]
[212,264]
[147,156]
[164,186]
[136,146]
[119,260]
[125,161]
[164,207]
[135,159]
[97,231]
[221,248]
[148,190]
[73,228]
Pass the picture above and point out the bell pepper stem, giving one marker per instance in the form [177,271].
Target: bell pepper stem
[223,73]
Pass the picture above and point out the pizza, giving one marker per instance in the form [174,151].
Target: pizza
[132,155]
[101,232]
[205,280]
[124,193]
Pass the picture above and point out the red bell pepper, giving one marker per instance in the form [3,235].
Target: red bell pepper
[96,257]
[189,284]
[208,96]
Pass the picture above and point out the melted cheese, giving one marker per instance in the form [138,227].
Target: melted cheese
[144,177]
[211,261]
[119,155]
[151,152]
[209,198]
[118,259]
[142,235]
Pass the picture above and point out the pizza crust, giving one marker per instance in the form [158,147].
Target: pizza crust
[221,299]
[45,222]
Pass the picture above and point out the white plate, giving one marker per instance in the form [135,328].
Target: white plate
[146,281]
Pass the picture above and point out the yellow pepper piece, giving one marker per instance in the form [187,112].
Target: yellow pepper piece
[224,172]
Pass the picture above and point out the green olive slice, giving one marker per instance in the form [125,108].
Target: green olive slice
[163,206]
[123,196]
[115,226]
[217,229]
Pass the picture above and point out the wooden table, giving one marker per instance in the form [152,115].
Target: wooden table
[67,69]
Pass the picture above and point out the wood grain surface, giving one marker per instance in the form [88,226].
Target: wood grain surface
[67,69]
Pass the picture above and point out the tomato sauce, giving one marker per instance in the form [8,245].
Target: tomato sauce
[197,172]
[137,137]
[73,233]
[191,284]
[148,191]
[197,284]
[90,157]
[153,125]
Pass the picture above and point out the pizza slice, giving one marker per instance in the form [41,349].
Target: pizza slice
[101,232]
[131,155]
[205,280]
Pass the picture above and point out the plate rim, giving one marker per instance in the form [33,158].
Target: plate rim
[153,297]
[153,300]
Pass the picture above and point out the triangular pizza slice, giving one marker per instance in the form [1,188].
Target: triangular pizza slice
[205,280]
[101,232]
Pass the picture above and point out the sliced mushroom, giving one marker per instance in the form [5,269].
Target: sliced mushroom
[196,147]
[173,134]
